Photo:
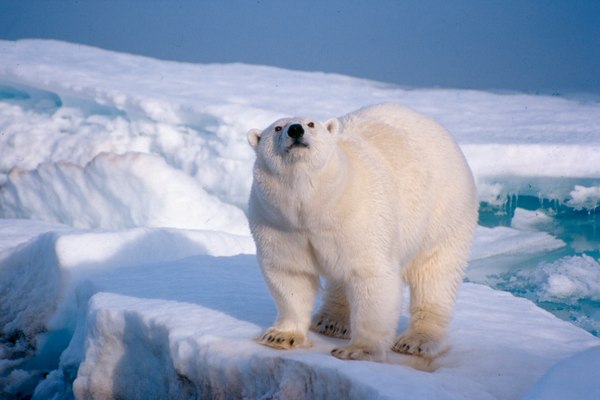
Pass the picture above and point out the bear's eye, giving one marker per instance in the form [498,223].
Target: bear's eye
[311,124]
[277,128]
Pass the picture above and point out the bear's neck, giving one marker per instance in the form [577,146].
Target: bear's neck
[304,193]
[314,184]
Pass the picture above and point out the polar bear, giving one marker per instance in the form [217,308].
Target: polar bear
[378,197]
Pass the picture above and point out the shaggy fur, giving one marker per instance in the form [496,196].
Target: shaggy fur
[376,198]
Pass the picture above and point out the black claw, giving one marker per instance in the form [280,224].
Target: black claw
[319,323]
[292,341]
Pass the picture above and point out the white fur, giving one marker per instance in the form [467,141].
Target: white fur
[380,196]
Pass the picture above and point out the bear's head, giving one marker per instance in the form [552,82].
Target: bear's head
[291,141]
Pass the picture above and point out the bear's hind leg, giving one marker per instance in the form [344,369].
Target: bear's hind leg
[333,318]
[375,309]
[434,280]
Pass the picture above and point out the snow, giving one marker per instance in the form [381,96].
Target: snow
[117,191]
[491,242]
[159,323]
[195,116]
[574,378]
[527,220]
[582,197]
[126,264]
[574,277]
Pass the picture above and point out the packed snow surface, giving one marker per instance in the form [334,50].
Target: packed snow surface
[151,321]
[127,267]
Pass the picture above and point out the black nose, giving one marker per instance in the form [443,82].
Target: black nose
[295,131]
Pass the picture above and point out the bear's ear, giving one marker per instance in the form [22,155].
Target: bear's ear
[332,125]
[254,137]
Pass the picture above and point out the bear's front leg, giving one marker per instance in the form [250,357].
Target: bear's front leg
[375,309]
[294,293]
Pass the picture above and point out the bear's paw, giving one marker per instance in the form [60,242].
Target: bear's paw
[358,352]
[330,327]
[419,344]
[284,340]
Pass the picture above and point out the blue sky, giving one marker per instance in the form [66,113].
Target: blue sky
[534,46]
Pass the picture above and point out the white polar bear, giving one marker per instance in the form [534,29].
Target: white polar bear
[380,196]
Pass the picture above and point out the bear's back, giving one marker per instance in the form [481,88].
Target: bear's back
[385,124]
[427,167]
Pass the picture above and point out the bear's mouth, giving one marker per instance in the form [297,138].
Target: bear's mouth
[296,144]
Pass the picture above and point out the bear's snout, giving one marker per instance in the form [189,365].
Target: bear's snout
[295,131]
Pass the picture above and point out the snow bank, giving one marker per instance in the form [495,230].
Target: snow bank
[48,277]
[166,350]
[59,106]
[149,312]
[115,192]
[163,349]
